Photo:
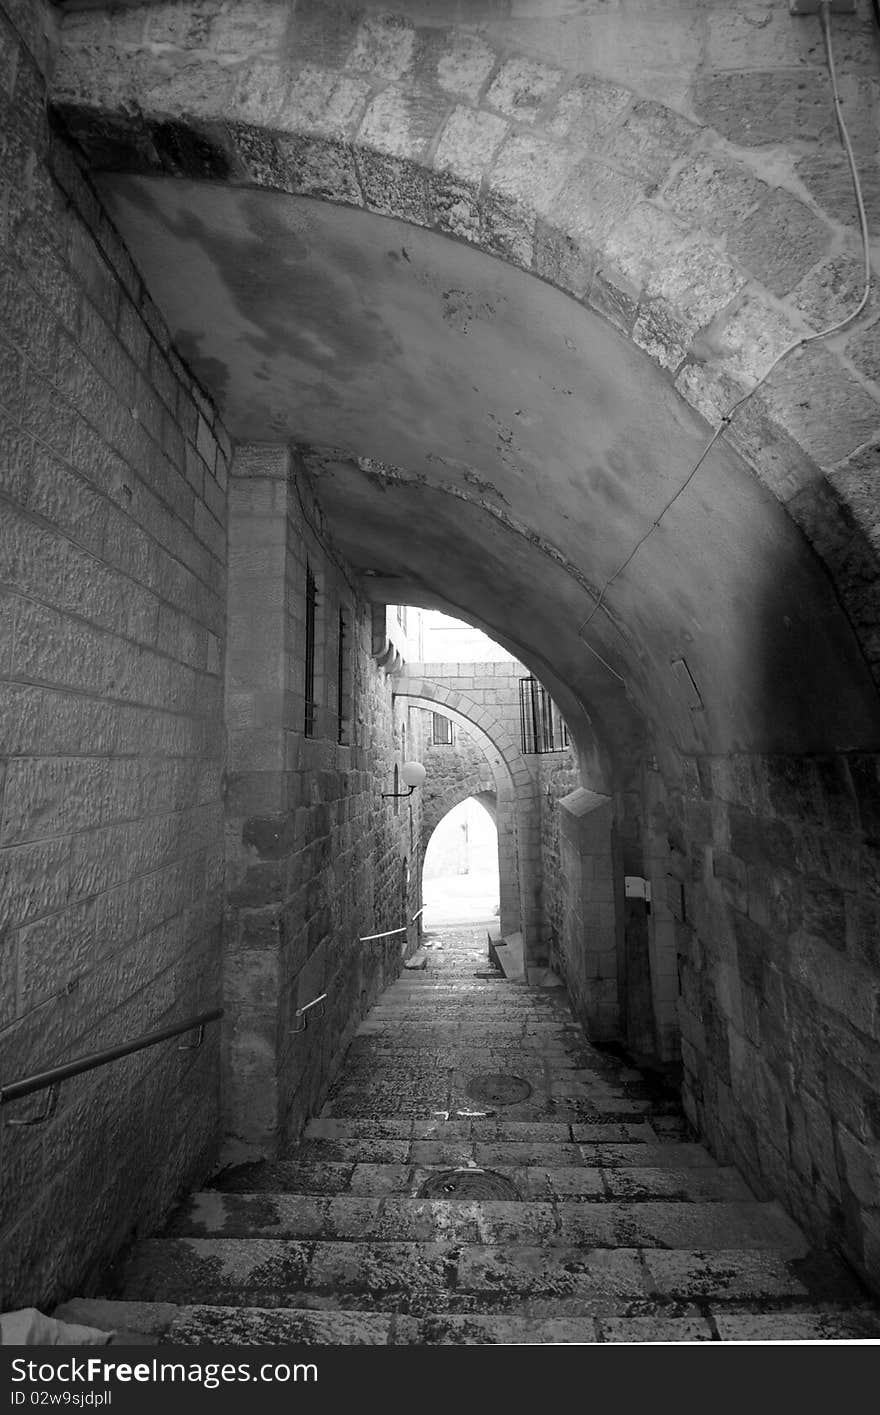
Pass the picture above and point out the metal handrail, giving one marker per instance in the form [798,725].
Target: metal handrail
[305,1012]
[389,933]
[43,1080]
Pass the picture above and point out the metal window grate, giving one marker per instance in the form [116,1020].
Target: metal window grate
[541,725]
[311,609]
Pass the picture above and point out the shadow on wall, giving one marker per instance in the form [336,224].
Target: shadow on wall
[460,874]
[779,969]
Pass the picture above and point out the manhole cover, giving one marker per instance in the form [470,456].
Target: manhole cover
[498,1088]
[468,1184]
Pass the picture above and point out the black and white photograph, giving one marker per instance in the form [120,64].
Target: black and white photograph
[439,692]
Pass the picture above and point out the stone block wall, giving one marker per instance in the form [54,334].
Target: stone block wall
[317,859]
[113,471]
[557,775]
[776,895]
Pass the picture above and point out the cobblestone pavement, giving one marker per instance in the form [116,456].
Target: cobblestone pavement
[481,1174]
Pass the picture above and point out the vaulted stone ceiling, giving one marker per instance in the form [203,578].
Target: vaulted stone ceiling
[495,446]
[478,439]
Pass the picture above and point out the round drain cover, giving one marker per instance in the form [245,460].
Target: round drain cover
[498,1088]
[468,1184]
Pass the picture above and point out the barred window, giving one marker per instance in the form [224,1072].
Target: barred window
[541,724]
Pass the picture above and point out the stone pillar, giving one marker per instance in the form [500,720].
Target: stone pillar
[590,934]
[529,859]
[510,918]
[256,805]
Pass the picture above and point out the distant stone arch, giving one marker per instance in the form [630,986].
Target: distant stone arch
[517,818]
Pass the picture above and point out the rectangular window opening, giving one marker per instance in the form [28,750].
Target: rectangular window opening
[311,614]
[441,735]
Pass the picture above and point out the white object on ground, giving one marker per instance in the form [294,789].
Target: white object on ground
[29,1327]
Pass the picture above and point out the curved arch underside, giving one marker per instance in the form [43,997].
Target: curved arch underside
[478,439]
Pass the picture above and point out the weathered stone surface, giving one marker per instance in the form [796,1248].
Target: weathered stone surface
[531,170]
[468,142]
[464,64]
[647,142]
[779,241]
[848,416]
[827,177]
[110,765]
[521,87]
[753,108]
[383,47]
[399,125]
[587,109]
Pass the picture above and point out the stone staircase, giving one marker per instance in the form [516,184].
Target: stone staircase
[481,1174]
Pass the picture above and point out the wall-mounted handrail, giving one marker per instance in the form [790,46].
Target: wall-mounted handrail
[42,1080]
[389,933]
[305,1012]
[307,1006]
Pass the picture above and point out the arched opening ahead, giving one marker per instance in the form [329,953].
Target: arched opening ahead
[460,875]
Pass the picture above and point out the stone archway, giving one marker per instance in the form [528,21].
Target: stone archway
[515,796]
[455,772]
[663,221]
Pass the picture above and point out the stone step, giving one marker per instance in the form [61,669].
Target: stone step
[527,1027]
[706,1184]
[462,1150]
[552,1097]
[365,1071]
[427,1039]
[429,1092]
[568,1110]
[437,1009]
[477,1126]
[475,1060]
[285,1326]
[742,1224]
[470,992]
[424,1023]
[421,1278]
[493,1154]
[621,1228]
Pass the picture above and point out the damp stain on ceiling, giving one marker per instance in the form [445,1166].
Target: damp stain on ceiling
[499,449]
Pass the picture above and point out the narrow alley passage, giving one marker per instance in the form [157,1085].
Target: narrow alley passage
[481,1174]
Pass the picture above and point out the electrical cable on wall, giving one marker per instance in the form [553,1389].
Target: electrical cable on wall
[796,343]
